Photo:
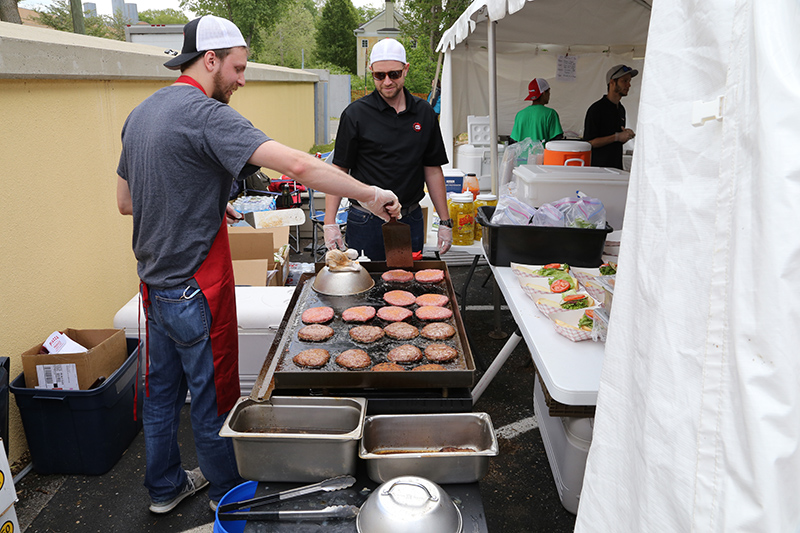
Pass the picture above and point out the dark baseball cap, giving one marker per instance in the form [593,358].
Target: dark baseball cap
[206,33]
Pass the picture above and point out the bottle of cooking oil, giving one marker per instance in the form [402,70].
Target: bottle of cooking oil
[462,212]
[481,200]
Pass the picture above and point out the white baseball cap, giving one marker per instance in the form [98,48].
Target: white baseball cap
[206,33]
[388,50]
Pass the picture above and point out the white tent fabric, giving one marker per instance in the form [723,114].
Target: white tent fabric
[698,414]
[530,35]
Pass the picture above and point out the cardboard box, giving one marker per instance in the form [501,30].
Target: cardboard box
[8,495]
[107,352]
[253,254]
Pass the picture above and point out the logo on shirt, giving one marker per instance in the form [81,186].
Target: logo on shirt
[417,126]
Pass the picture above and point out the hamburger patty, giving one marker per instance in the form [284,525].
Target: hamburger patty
[437,300]
[313,358]
[366,334]
[315,333]
[387,367]
[397,276]
[440,353]
[431,312]
[393,313]
[353,359]
[399,298]
[402,331]
[429,275]
[361,313]
[405,353]
[317,315]
[438,331]
[429,366]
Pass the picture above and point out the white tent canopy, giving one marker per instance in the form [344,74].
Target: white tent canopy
[525,42]
[698,413]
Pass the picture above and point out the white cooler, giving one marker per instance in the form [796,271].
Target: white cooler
[259,311]
[541,184]
[477,160]
[566,441]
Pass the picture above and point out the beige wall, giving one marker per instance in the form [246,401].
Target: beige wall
[65,251]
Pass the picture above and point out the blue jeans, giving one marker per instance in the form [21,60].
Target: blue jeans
[365,232]
[181,358]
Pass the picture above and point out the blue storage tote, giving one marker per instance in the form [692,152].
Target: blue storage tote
[81,431]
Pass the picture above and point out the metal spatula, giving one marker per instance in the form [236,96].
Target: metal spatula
[397,242]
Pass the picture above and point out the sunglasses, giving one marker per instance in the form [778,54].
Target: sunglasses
[393,75]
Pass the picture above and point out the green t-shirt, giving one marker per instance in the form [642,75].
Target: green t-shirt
[538,122]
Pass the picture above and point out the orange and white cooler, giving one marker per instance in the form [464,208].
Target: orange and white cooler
[568,153]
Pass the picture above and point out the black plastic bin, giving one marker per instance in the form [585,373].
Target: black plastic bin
[82,431]
[537,245]
[4,367]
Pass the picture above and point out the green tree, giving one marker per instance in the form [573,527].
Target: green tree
[163,16]
[427,20]
[422,69]
[335,40]
[367,13]
[253,17]
[292,38]
[59,17]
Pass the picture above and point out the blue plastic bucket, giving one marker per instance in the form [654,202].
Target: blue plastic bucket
[245,491]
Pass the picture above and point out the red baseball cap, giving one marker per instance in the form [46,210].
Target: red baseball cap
[536,88]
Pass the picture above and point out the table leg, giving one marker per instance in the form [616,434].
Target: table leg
[466,284]
[496,365]
[497,332]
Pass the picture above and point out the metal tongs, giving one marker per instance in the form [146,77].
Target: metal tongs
[232,511]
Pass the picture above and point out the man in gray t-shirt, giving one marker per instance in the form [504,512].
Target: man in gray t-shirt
[181,149]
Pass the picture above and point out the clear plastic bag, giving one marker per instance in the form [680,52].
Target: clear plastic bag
[512,212]
[548,215]
[582,212]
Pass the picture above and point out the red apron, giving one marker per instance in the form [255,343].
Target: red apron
[215,278]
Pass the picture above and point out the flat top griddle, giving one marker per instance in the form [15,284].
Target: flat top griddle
[288,375]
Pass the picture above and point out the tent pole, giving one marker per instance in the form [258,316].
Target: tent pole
[492,37]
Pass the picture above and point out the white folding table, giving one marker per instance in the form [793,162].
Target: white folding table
[569,370]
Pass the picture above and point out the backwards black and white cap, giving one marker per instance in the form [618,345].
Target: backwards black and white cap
[206,33]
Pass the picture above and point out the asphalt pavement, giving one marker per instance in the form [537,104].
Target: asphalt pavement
[518,493]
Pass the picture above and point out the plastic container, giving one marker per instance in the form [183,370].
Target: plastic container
[478,160]
[541,184]
[462,212]
[471,185]
[482,200]
[4,397]
[242,492]
[566,441]
[537,245]
[82,431]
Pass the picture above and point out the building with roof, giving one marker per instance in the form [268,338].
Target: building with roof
[384,24]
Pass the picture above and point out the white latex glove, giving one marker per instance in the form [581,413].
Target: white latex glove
[333,237]
[445,238]
[384,204]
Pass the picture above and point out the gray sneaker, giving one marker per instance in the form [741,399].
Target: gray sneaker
[195,481]
[213,505]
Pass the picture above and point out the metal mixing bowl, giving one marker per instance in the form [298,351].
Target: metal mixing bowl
[342,283]
[409,504]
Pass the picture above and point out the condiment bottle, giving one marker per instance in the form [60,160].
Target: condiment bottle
[462,213]
[482,200]
[471,185]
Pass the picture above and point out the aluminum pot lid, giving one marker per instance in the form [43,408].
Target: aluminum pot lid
[409,504]
[568,146]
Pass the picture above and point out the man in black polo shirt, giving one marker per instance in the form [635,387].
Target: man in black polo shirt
[604,125]
[391,139]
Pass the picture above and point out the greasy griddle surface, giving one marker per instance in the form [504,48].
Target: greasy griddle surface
[341,340]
